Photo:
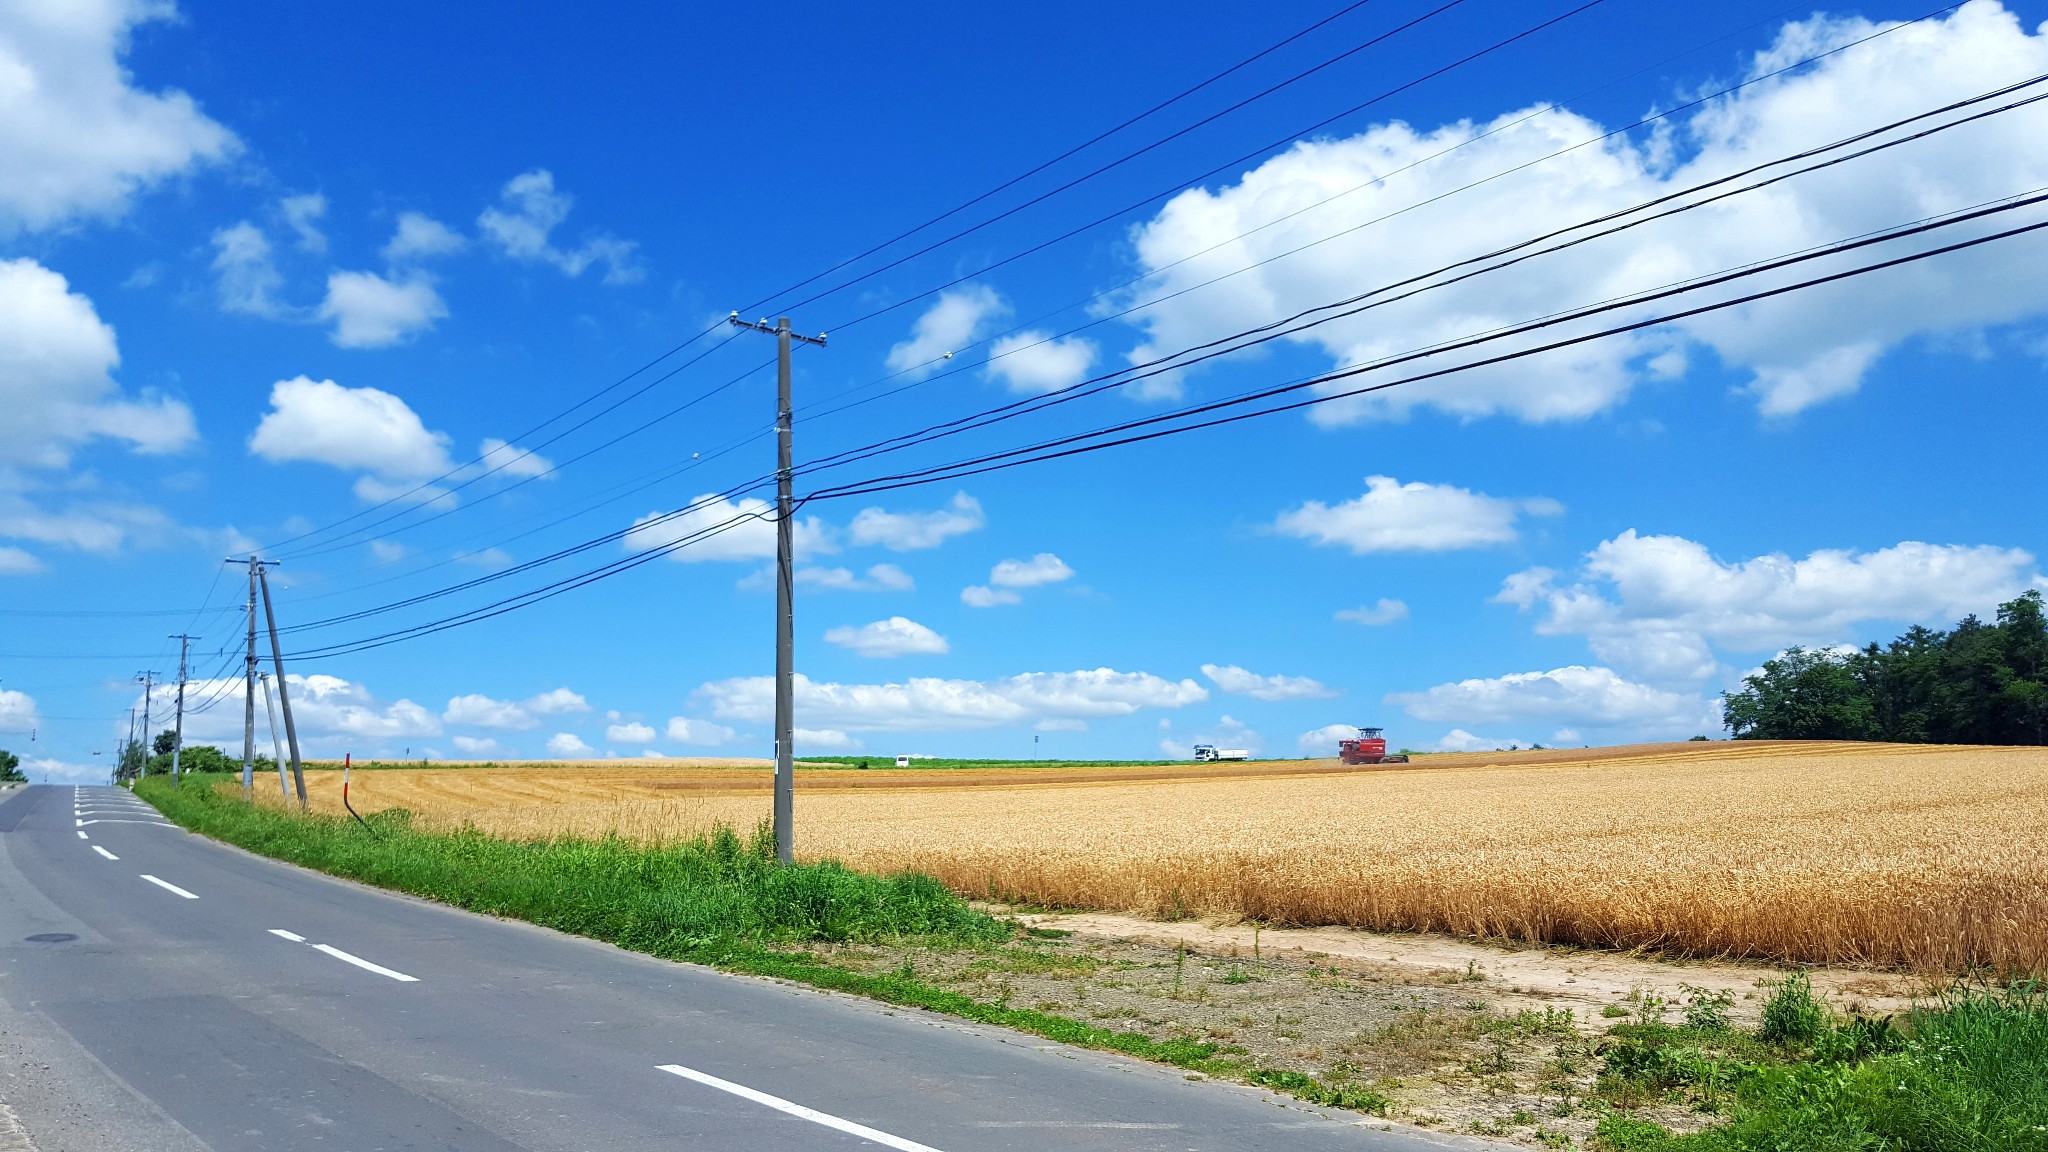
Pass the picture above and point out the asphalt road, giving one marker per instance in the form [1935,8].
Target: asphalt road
[162,992]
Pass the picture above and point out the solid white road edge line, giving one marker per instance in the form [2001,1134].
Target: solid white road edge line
[798,1110]
[104,852]
[294,937]
[167,886]
[359,962]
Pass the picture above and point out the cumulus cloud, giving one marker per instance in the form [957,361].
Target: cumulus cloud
[370,311]
[496,456]
[358,429]
[879,578]
[79,137]
[528,210]
[703,733]
[631,732]
[57,359]
[1576,695]
[956,319]
[475,745]
[1009,575]
[1031,363]
[17,711]
[568,746]
[557,702]
[933,704]
[823,740]
[420,237]
[332,715]
[914,531]
[717,528]
[1413,517]
[481,711]
[1659,604]
[883,639]
[1236,681]
[17,562]
[1323,741]
[1385,612]
[1796,351]
[371,431]
[1459,740]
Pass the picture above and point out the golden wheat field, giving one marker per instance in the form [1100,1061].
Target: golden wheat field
[1929,858]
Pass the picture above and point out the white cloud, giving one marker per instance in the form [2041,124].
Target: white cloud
[751,536]
[492,558]
[419,237]
[955,320]
[1385,612]
[568,746]
[481,711]
[1035,362]
[1797,351]
[557,702]
[79,138]
[16,562]
[1323,741]
[1227,732]
[1238,682]
[883,639]
[686,730]
[1044,568]
[1576,695]
[1657,604]
[913,531]
[369,311]
[497,456]
[1459,740]
[933,704]
[351,428]
[978,596]
[17,711]
[880,578]
[302,215]
[528,210]
[332,715]
[475,745]
[633,732]
[56,385]
[823,740]
[248,281]
[1413,517]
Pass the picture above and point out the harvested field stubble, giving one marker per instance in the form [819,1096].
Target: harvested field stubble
[1929,858]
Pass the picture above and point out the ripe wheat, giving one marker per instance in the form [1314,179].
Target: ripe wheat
[1921,857]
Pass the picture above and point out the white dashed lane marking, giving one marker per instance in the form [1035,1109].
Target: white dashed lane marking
[104,852]
[799,1111]
[167,886]
[347,957]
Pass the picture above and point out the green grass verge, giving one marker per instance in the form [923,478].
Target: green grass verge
[1968,1073]
[716,900]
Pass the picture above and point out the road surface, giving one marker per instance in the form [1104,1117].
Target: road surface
[162,992]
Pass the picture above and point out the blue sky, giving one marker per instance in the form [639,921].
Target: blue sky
[295,279]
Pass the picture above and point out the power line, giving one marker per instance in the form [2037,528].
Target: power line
[1085,144]
[1378,179]
[1239,341]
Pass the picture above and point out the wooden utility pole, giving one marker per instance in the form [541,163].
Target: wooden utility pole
[785,586]
[249,685]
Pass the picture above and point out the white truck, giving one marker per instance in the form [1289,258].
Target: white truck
[1212,752]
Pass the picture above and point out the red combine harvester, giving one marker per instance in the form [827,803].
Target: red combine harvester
[1369,748]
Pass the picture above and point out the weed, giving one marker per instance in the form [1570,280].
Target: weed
[1793,1015]
[1613,1011]
[1707,1009]
[1236,975]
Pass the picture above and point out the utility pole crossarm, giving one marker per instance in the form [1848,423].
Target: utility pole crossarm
[764,326]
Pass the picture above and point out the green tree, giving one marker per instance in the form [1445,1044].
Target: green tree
[1803,695]
[10,768]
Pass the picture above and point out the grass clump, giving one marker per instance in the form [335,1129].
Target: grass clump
[675,900]
[1968,1073]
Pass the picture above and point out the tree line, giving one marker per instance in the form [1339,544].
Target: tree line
[1976,683]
